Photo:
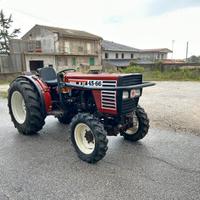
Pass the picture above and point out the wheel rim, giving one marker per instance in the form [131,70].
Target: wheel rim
[18,107]
[135,127]
[84,138]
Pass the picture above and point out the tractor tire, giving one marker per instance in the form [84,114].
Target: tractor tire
[25,107]
[88,137]
[140,131]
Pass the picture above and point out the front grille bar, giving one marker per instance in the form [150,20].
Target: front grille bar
[137,86]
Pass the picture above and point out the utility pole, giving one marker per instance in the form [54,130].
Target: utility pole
[172,48]
[187,44]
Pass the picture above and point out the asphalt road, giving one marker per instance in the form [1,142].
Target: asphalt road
[164,165]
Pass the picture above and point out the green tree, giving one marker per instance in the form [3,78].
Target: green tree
[194,59]
[5,33]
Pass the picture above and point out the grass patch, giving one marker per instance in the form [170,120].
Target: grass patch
[173,75]
[3,94]
[166,75]
[4,82]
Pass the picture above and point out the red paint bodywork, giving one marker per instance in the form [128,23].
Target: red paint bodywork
[97,98]
[103,76]
[75,77]
[46,94]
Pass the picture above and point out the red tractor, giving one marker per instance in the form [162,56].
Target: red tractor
[95,105]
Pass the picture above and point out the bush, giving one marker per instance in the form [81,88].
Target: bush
[173,74]
[158,66]
[158,73]
[133,69]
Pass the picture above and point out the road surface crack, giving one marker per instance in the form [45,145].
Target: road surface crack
[174,165]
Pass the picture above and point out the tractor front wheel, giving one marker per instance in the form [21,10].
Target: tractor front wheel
[88,137]
[140,126]
[25,107]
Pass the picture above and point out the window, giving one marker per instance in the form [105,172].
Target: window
[132,55]
[88,48]
[122,55]
[106,55]
[80,49]
[66,47]
[116,55]
[73,61]
[38,44]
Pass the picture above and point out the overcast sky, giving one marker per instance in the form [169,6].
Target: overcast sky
[137,23]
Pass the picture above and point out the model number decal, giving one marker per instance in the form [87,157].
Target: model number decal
[95,83]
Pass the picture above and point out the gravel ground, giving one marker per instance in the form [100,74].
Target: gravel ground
[173,105]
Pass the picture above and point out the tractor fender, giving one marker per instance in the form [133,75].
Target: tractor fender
[43,92]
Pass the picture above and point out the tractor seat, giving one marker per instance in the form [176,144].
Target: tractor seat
[48,75]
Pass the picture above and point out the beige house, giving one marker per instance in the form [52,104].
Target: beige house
[58,47]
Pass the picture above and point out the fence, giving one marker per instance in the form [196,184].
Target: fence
[12,63]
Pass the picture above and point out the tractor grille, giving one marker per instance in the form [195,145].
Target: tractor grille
[128,105]
[130,80]
[108,97]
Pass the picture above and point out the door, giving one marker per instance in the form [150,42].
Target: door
[36,64]
[73,61]
[91,61]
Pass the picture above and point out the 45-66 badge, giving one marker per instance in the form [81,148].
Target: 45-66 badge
[95,83]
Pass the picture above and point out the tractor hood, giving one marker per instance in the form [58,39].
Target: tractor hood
[101,76]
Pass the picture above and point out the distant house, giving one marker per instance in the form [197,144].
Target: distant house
[58,47]
[121,55]
[151,55]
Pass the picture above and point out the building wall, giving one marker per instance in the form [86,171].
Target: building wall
[48,60]
[151,56]
[81,49]
[70,61]
[47,38]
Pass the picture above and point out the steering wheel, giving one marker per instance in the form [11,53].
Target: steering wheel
[61,73]
[66,70]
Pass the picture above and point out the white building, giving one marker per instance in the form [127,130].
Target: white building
[121,55]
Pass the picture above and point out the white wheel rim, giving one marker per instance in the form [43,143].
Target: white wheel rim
[18,107]
[81,132]
[135,127]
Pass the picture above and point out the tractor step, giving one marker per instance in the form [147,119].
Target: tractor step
[56,113]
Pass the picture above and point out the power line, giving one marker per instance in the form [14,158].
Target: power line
[30,15]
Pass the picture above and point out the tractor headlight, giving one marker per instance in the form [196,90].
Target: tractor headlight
[125,95]
[135,93]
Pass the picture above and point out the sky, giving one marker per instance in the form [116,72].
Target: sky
[141,24]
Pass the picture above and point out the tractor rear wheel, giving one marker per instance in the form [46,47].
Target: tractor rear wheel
[88,137]
[25,107]
[140,126]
